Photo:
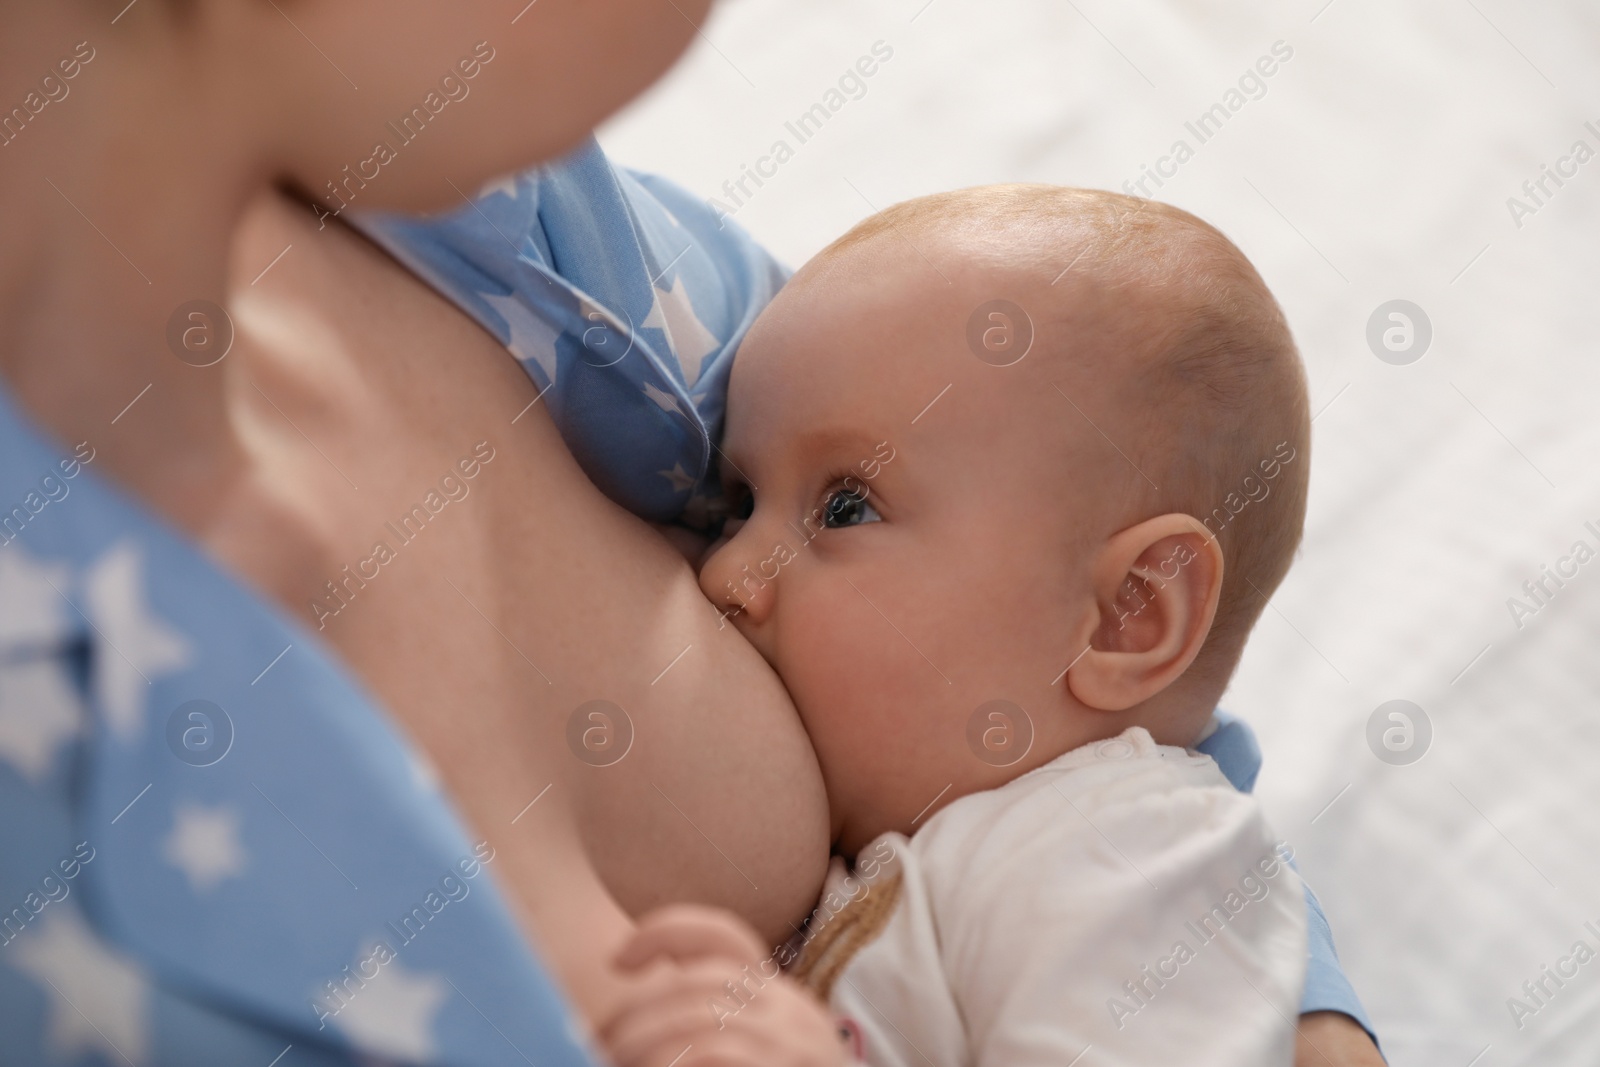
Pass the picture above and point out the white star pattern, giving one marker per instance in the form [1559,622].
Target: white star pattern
[664,400]
[204,845]
[393,1014]
[132,646]
[681,482]
[40,709]
[603,337]
[531,337]
[97,998]
[588,309]
[690,341]
[33,595]
[39,706]
[504,185]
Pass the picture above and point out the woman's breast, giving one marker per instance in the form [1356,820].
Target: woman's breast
[552,655]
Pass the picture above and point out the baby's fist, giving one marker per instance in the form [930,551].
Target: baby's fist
[708,995]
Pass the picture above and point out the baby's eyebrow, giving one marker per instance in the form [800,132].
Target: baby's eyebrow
[828,442]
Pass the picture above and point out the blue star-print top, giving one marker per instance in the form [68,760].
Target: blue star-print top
[217,848]
[623,297]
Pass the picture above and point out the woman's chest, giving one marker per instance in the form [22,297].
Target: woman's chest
[410,500]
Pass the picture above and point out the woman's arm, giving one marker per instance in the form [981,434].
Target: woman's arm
[1333,1039]
[1330,1006]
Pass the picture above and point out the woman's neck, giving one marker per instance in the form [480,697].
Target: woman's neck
[101,248]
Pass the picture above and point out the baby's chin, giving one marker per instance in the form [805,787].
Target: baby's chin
[874,786]
[853,835]
[862,815]
[855,815]
[851,840]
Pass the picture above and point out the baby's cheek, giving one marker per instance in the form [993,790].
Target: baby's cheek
[869,702]
[836,669]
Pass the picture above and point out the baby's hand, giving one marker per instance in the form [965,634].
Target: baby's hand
[684,1015]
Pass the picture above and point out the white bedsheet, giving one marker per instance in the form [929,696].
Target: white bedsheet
[1377,165]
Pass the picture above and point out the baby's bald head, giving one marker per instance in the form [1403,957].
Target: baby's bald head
[1177,348]
[930,527]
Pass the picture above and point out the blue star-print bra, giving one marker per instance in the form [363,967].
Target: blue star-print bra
[216,847]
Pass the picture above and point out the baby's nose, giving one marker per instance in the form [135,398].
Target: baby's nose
[737,579]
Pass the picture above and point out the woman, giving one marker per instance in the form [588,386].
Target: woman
[260,865]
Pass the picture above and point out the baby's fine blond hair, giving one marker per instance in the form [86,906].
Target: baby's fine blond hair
[1212,401]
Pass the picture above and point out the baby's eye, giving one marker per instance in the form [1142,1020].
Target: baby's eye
[848,507]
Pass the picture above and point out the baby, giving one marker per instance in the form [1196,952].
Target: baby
[1017,469]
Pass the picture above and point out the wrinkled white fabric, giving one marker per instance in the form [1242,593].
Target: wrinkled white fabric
[1122,905]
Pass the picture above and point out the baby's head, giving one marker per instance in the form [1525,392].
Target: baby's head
[1019,443]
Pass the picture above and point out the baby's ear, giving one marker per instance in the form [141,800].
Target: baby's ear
[1156,586]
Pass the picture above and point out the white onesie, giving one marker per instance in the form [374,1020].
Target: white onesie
[1122,904]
